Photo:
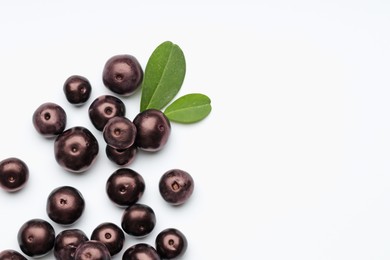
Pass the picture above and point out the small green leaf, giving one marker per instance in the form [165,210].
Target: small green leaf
[189,108]
[163,77]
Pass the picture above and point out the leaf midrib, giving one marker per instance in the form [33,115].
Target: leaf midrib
[187,108]
[162,76]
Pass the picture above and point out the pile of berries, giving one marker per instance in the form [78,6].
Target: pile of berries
[76,150]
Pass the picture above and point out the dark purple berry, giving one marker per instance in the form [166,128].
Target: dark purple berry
[122,74]
[125,187]
[65,205]
[66,243]
[76,149]
[119,132]
[153,130]
[140,251]
[36,237]
[49,119]
[14,174]
[92,250]
[138,220]
[171,243]
[10,254]
[111,235]
[121,157]
[104,108]
[176,186]
[77,89]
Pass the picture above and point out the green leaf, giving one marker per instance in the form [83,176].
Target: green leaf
[189,108]
[163,77]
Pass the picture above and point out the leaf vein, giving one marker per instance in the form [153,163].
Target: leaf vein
[162,76]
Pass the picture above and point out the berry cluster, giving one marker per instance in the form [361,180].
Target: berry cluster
[76,150]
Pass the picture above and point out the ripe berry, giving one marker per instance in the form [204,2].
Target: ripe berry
[104,108]
[138,220]
[76,149]
[49,119]
[10,254]
[66,242]
[36,237]
[92,250]
[121,157]
[125,187]
[77,89]
[119,132]
[14,174]
[153,130]
[65,205]
[140,251]
[110,235]
[122,74]
[171,243]
[176,186]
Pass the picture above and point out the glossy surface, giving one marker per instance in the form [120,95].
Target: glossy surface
[138,220]
[77,89]
[104,108]
[140,251]
[76,149]
[176,186]
[65,205]
[119,132]
[171,243]
[66,243]
[14,174]
[125,187]
[121,157]
[111,235]
[10,254]
[49,119]
[92,250]
[153,130]
[36,237]
[122,74]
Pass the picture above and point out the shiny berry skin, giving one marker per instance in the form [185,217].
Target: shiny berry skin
[77,89]
[76,149]
[171,243]
[104,108]
[65,205]
[10,254]
[14,174]
[121,157]
[153,130]
[36,237]
[176,186]
[125,187]
[123,74]
[119,132]
[66,242]
[111,235]
[49,119]
[92,250]
[138,220]
[140,251]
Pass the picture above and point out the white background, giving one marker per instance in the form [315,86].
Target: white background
[292,162]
